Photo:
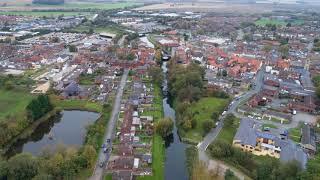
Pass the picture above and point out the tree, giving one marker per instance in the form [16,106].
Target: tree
[8,85]
[156,75]
[318,91]
[23,167]
[229,120]
[200,172]
[284,50]
[158,56]
[267,48]
[3,170]
[164,127]
[73,48]
[229,175]
[90,154]
[207,126]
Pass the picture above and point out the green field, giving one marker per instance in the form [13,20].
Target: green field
[75,104]
[295,133]
[227,133]
[13,102]
[42,13]
[265,21]
[202,111]
[27,9]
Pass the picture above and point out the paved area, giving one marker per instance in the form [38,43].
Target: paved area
[104,157]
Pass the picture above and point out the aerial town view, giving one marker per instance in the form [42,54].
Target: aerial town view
[159,90]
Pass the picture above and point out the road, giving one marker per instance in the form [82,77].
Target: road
[212,135]
[109,133]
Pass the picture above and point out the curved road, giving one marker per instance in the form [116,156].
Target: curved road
[212,135]
[109,132]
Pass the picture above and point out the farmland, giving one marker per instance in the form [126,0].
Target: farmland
[72,8]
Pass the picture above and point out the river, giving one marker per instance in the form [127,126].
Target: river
[175,164]
[67,128]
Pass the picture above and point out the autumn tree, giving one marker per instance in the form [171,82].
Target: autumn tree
[164,127]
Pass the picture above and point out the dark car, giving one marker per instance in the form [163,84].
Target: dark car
[108,140]
[101,164]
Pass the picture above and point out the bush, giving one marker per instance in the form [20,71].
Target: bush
[207,126]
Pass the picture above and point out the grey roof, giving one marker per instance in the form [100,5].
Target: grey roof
[308,136]
[249,131]
[290,151]
[246,132]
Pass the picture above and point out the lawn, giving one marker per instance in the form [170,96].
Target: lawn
[265,21]
[269,125]
[227,133]
[13,102]
[295,133]
[75,104]
[202,111]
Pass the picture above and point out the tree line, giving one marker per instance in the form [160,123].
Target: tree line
[64,163]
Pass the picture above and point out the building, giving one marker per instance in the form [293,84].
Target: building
[308,139]
[250,138]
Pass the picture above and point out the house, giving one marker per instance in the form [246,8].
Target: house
[250,138]
[258,100]
[307,105]
[308,139]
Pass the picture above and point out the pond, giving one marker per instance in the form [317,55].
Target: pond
[67,128]
[175,165]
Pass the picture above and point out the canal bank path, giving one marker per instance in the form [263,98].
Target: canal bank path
[109,133]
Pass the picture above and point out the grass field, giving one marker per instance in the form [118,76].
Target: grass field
[42,13]
[202,111]
[265,21]
[75,104]
[13,102]
[227,134]
[26,8]
[295,133]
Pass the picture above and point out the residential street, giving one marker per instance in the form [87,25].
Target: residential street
[109,133]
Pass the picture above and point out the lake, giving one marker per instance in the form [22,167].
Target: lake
[67,128]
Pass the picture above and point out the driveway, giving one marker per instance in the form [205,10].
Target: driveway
[109,133]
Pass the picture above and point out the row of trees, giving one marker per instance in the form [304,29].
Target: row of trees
[38,107]
[65,163]
[186,86]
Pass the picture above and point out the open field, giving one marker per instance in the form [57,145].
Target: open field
[13,102]
[211,7]
[265,21]
[27,5]
[202,111]
[227,133]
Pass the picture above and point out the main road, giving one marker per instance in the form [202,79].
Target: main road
[109,133]
[212,135]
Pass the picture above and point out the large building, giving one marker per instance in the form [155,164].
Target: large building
[251,138]
[50,2]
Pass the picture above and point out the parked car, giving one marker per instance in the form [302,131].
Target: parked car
[105,150]
[108,141]
[101,164]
